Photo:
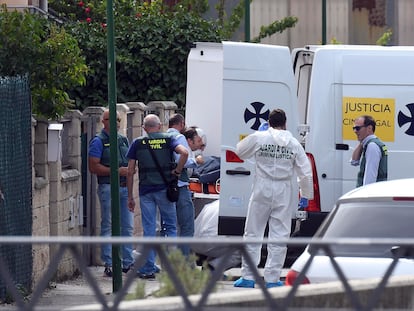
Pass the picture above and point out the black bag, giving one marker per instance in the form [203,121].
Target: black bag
[172,187]
[173,192]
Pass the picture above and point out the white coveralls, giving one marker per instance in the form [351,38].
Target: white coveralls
[278,154]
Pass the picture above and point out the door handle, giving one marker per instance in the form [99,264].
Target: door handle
[237,172]
[342,147]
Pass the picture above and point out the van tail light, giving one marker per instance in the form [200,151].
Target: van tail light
[291,277]
[315,204]
[232,157]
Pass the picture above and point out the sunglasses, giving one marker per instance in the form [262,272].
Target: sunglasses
[358,127]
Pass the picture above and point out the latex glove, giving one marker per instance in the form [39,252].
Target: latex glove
[264,126]
[303,203]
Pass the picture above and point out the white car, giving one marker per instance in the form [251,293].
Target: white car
[379,210]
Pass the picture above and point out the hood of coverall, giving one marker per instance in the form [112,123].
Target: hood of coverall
[281,137]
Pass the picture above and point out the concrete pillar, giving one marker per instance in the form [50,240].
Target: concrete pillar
[73,131]
[40,149]
[135,122]
[164,109]
[40,202]
[135,117]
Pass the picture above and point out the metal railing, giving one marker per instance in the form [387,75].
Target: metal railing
[72,244]
[35,9]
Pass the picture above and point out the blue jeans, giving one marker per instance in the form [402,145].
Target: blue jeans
[127,224]
[185,217]
[149,203]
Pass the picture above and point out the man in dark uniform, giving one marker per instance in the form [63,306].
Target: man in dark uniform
[152,187]
[99,164]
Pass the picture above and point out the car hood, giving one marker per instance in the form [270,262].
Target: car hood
[322,270]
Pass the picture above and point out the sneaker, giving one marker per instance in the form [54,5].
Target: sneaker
[126,270]
[108,271]
[244,283]
[157,269]
[145,276]
[277,284]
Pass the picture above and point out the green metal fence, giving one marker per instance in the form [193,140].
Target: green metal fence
[15,178]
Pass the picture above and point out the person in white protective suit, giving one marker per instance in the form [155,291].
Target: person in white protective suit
[278,155]
[206,226]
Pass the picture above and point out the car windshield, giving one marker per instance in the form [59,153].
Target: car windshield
[368,220]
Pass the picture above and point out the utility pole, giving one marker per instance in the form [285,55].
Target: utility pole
[323,22]
[247,20]
[113,149]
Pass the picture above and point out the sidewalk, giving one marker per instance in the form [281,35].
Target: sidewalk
[78,295]
[78,292]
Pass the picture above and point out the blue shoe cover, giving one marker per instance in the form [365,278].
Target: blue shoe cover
[244,283]
[277,284]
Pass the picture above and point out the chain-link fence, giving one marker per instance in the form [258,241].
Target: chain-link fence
[15,178]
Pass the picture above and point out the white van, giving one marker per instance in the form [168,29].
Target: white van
[339,83]
[231,88]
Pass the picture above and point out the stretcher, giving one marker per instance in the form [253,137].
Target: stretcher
[198,187]
[205,180]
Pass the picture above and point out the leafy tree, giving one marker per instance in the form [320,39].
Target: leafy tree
[29,44]
[229,24]
[152,44]
[277,26]
[68,64]
[385,39]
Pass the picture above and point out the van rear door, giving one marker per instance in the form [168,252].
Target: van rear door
[256,79]
[302,66]
[205,92]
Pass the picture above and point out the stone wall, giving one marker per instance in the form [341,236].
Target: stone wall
[40,202]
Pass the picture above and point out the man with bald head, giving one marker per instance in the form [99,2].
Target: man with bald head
[152,188]
[99,164]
